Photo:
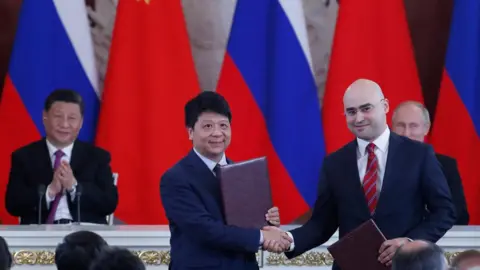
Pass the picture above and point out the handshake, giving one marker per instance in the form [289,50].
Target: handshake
[275,240]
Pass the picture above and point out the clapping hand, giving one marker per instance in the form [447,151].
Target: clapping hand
[65,175]
[55,186]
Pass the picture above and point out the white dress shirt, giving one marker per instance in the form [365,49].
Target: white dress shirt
[211,165]
[381,151]
[62,208]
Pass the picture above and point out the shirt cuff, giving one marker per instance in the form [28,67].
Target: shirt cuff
[73,192]
[261,238]
[292,245]
[48,199]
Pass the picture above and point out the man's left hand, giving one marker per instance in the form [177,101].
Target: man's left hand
[66,176]
[273,216]
[388,249]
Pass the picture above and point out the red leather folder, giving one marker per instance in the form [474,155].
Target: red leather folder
[359,248]
[246,193]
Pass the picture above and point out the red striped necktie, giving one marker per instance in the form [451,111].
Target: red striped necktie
[370,179]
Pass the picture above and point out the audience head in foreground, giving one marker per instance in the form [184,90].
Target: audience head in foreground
[117,259]
[467,260]
[6,260]
[419,255]
[78,250]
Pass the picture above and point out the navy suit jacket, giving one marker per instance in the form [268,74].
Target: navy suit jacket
[31,166]
[191,197]
[413,180]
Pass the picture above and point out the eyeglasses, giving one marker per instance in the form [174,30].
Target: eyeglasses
[366,108]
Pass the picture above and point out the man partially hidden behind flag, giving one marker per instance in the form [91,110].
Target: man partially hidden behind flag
[372,41]
[52,50]
[412,119]
[456,128]
[150,76]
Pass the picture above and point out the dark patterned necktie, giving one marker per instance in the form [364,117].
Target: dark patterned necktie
[53,208]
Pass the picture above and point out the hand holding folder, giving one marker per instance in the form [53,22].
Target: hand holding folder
[359,248]
[246,194]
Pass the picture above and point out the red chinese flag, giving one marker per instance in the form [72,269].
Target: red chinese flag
[150,77]
[371,41]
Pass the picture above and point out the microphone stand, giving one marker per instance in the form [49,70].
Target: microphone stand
[78,195]
[41,192]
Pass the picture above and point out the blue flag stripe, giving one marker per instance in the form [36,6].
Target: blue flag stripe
[43,59]
[463,55]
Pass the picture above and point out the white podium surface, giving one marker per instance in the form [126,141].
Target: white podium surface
[33,246]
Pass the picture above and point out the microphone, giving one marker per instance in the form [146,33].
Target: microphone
[78,195]
[41,192]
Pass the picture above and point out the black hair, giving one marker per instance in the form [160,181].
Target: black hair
[78,250]
[6,260]
[206,101]
[430,257]
[116,258]
[64,95]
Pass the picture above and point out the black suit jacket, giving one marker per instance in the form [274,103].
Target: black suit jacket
[31,167]
[413,179]
[450,170]
[200,239]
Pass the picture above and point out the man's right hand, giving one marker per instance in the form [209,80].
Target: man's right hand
[55,186]
[275,240]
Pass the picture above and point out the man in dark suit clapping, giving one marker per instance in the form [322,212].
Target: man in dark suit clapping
[60,165]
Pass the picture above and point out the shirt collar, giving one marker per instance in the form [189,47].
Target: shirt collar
[66,150]
[381,142]
[210,163]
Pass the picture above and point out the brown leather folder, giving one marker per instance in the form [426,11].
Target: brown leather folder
[246,193]
[359,248]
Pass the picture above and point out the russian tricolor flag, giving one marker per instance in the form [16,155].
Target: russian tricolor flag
[456,129]
[267,79]
[53,49]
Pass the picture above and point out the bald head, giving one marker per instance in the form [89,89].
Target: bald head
[365,109]
[363,87]
[419,255]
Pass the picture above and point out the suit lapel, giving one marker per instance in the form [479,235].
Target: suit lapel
[354,176]
[392,159]
[201,169]
[44,162]
[77,157]
[204,179]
